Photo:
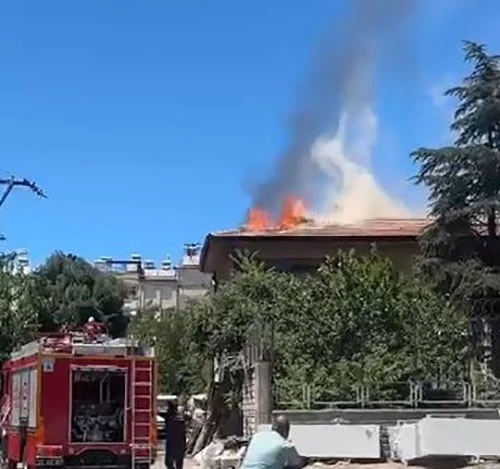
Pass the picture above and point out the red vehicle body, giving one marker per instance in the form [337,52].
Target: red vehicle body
[70,400]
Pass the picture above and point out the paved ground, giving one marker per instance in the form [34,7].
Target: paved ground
[189,464]
[437,465]
[160,464]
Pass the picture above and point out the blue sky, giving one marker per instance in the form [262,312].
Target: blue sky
[145,121]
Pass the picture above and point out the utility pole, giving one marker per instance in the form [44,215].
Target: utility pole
[11,183]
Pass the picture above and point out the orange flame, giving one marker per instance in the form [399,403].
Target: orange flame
[258,219]
[292,214]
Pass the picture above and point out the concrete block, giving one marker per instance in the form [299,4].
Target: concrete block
[458,437]
[336,441]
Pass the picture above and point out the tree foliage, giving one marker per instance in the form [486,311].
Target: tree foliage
[355,322]
[181,368]
[67,290]
[17,322]
[461,248]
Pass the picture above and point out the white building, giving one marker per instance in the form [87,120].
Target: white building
[159,288]
[22,263]
[191,282]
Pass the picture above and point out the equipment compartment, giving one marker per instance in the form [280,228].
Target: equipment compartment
[98,405]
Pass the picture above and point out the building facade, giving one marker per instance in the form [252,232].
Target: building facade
[158,288]
[191,281]
[302,249]
[21,263]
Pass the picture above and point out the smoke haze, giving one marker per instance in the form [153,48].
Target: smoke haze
[334,127]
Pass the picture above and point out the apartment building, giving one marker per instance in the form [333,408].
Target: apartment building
[158,287]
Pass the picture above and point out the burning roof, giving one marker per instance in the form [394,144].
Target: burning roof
[267,234]
[372,228]
[260,234]
[293,213]
[294,220]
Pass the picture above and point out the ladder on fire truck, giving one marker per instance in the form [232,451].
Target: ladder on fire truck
[141,411]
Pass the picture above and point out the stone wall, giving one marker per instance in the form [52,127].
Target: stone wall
[249,403]
[257,399]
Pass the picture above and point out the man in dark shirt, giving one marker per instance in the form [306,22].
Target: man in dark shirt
[175,434]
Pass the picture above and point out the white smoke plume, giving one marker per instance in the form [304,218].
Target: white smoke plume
[334,128]
[354,194]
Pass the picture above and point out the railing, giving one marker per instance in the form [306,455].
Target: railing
[458,394]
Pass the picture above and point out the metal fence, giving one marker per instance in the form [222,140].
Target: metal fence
[459,394]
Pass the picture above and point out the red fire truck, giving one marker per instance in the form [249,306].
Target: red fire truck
[77,400]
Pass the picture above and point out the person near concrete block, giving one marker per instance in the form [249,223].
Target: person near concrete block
[175,435]
[271,449]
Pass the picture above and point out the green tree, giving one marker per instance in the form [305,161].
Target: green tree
[180,366]
[243,306]
[460,251]
[464,185]
[17,323]
[355,322]
[67,290]
[361,324]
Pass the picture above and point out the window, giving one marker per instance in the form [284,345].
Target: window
[132,291]
[295,268]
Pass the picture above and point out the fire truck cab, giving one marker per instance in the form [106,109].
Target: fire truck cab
[74,399]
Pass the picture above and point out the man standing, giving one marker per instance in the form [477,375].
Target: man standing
[175,434]
[271,449]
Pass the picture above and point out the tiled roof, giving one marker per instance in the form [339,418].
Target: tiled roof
[377,227]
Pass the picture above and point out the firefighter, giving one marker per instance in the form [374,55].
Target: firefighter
[175,435]
[92,329]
